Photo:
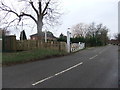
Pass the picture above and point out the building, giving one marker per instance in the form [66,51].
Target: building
[113,41]
[41,36]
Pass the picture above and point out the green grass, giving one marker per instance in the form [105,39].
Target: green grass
[25,56]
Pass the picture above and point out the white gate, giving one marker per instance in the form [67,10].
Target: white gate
[77,46]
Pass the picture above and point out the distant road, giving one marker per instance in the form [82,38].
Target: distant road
[90,68]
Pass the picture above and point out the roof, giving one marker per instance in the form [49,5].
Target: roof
[49,34]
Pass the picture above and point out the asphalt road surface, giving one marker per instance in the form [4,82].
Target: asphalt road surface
[91,68]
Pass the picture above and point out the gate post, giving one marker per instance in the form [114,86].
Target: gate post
[68,41]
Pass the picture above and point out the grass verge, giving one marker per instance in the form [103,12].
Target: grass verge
[25,56]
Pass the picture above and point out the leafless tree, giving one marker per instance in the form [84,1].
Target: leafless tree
[91,30]
[40,11]
[79,30]
[96,33]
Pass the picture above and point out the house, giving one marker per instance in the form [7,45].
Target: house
[41,36]
[113,41]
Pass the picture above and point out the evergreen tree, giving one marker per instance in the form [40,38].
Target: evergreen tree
[23,35]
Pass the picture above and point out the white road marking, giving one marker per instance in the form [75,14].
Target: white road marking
[100,52]
[38,82]
[104,50]
[93,57]
[65,69]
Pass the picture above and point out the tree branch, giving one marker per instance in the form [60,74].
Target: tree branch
[40,8]
[31,3]
[5,15]
[11,22]
[24,14]
[4,9]
[44,13]
[21,15]
[47,4]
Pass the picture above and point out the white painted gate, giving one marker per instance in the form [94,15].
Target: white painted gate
[77,46]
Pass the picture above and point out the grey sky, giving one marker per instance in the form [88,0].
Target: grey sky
[85,11]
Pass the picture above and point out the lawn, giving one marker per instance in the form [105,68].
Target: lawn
[25,56]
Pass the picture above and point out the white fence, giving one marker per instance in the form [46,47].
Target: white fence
[77,46]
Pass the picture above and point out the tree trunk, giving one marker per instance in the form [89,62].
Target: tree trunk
[39,26]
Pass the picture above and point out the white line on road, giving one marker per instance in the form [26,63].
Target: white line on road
[99,53]
[38,82]
[104,50]
[93,57]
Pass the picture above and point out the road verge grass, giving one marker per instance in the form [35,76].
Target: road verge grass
[13,58]
[25,56]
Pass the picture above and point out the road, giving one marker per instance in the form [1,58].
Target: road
[90,68]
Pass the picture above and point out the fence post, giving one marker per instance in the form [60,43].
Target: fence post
[10,43]
[59,45]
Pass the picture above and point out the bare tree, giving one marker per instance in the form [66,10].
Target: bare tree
[79,30]
[92,33]
[91,30]
[45,12]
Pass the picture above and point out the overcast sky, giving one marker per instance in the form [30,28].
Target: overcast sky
[85,11]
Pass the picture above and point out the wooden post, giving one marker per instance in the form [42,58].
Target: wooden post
[10,43]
